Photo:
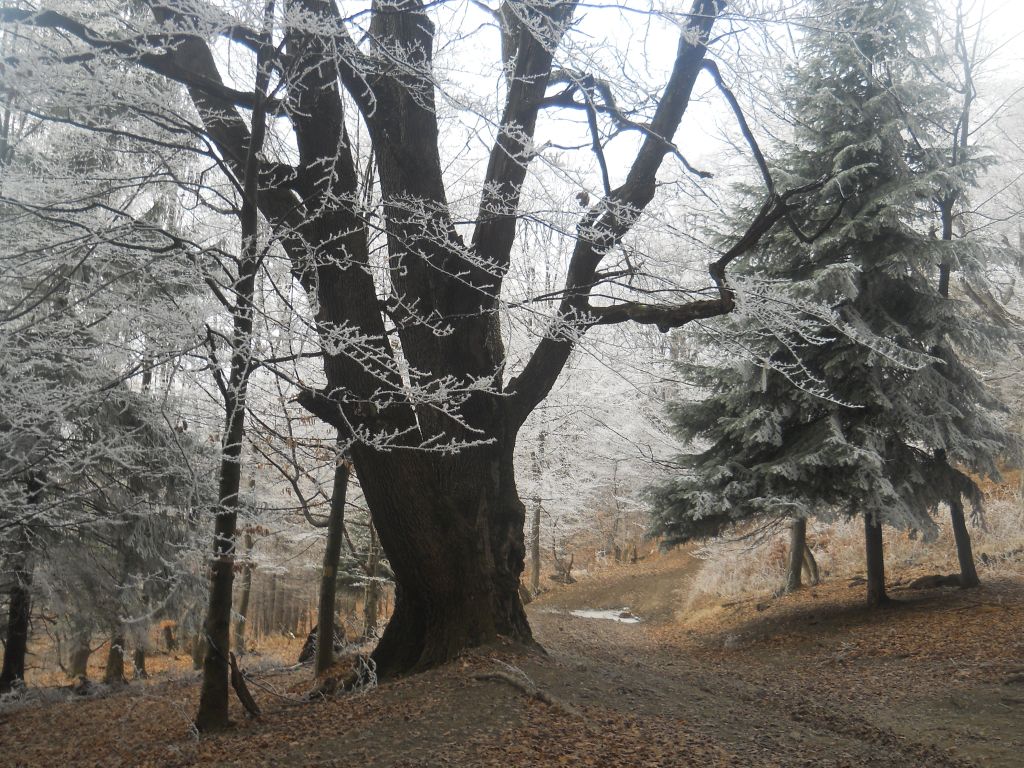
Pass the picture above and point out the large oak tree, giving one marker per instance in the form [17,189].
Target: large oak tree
[417,374]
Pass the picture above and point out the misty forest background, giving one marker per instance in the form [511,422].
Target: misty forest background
[379,321]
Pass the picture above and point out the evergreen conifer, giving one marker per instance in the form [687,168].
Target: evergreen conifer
[874,411]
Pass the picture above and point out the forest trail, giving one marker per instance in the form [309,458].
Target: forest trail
[654,589]
[804,680]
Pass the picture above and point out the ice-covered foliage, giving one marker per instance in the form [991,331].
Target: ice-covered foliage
[871,404]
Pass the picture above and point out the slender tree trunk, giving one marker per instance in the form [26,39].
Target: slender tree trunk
[242,616]
[875,562]
[326,610]
[964,553]
[294,614]
[19,610]
[797,544]
[968,572]
[535,549]
[280,607]
[139,663]
[213,701]
[811,566]
[213,696]
[347,600]
[114,672]
[198,651]
[269,606]
[621,550]
[371,595]
[255,614]
[538,476]
[78,664]
[17,633]
[169,640]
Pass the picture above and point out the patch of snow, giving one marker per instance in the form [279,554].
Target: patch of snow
[621,615]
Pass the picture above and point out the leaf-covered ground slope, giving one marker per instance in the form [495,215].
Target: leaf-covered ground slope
[804,680]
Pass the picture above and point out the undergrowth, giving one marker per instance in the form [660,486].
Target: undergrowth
[753,562]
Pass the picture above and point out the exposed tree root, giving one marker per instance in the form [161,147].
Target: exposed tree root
[357,675]
[527,687]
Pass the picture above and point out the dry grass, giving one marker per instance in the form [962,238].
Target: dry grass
[738,567]
[43,671]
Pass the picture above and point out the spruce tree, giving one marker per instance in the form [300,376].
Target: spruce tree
[871,411]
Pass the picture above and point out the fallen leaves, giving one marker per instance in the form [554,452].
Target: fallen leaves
[815,681]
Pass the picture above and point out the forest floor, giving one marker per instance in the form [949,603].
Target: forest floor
[811,679]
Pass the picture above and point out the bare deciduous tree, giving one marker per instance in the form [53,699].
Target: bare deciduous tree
[417,376]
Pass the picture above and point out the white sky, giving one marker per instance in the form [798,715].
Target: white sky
[1004,26]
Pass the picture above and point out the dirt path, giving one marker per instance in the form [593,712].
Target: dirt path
[821,682]
[809,680]
[654,589]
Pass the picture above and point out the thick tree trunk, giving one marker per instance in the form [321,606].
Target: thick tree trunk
[451,525]
[458,576]
[968,572]
[114,672]
[875,562]
[797,544]
[242,615]
[326,609]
